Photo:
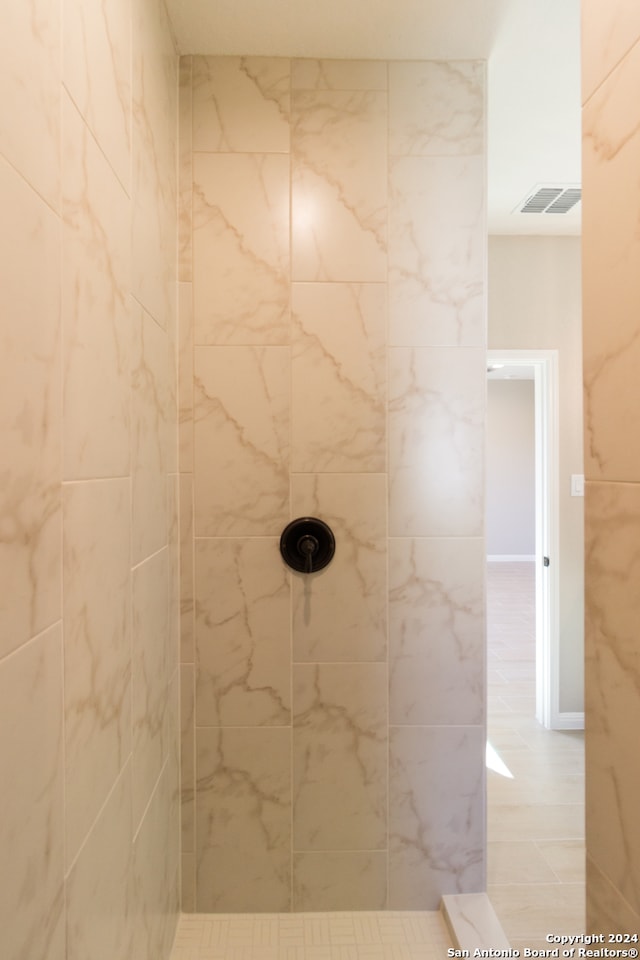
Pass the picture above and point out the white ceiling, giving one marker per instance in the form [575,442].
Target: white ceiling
[533,53]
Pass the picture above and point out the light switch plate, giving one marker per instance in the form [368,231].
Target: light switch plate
[577,485]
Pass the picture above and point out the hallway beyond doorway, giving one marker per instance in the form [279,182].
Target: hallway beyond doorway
[535,805]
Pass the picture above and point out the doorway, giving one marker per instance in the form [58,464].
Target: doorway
[542,367]
[535,775]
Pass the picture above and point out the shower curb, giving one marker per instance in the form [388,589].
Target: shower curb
[472,923]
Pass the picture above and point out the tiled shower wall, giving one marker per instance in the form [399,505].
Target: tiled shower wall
[89,582]
[332,332]
[611,296]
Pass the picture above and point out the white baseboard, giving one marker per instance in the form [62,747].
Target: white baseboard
[510,557]
[568,721]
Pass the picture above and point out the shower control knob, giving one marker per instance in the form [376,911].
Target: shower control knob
[307,544]
[307,547]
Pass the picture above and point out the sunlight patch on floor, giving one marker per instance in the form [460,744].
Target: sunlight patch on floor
[495,762]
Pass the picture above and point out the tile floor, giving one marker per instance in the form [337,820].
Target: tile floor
[535,819]
[535,830]
[312,936]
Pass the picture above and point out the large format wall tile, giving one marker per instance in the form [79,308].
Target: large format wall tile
[77,186]
[436,108]
[151,658]
[156,851]
[241,248]
[150,435]
[609,31]
[31,801]
[436,814]
[173,543]
[187,612]
[185,377]
[241,104]
[436,442]
[339,377]
[155,680]
[340,613]
[311,74]
[437,235]
[154,245]
[241,481]
[156,892]
[97,74]
[611,354]
[242,633]
[172,767]
[340,746]
[185,171]
[187,756]
[339,185]
[30,66]
[154,188]
[612,613]
[606,909]
[340,880]
[100,915]
[171,392]
[30,414]
[436,593]
[188,876]
[96,309]
[611,286]
[243,819]
[97,639]
[293,415]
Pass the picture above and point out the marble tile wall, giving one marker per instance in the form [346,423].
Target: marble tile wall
[332,337]
[611,332]
[89,498]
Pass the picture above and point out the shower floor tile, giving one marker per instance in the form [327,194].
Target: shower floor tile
[312,936]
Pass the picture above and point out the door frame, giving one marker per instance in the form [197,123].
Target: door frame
[547,538]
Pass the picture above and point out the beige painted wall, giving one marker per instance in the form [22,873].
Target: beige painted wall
[535,303]
[510,500]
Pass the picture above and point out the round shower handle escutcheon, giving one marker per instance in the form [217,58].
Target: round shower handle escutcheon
[307,544]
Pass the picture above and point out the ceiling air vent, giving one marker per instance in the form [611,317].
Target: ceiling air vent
[548,199]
